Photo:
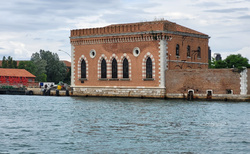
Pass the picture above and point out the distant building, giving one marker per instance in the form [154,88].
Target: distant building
[209,54]
[217,56]
[16,77]
[67,63]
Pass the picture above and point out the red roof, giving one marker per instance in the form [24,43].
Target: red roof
[15,72]
[67,63]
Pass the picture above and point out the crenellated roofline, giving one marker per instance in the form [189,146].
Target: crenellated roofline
[163,26]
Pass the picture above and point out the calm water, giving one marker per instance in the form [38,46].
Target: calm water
[34,124]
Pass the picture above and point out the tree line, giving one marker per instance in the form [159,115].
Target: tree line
[45,65]
[232,61]
[8,62]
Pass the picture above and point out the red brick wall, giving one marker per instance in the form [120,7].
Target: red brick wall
[108,49]
[185,63]
[201,80]
[109,40]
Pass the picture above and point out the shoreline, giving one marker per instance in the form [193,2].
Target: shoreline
[195,97]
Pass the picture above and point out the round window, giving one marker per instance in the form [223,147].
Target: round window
[136,52]
[92,53]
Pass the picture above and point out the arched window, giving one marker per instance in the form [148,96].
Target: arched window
[177,50]
[149,68]
[114,68]
[188,51]
[83,69]
[199,52]
[103,69]
[125,68]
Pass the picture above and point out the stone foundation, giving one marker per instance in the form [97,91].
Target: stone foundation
[120,92]
[219,97]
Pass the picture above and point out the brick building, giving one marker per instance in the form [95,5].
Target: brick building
[16,77]
[131,59]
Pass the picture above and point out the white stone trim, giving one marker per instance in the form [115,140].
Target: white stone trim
[148,54]
[134,51]
[99,65]
[91,53]
[190,90]
[109,73]
[120,92]
[129,65]
[79,66]
[72,65]
[162,62]
[243,82]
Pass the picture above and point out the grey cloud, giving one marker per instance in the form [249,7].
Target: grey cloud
[31,15]
[237,1]
[207,4]
[66,8]
[245,17]
[231,10]
[37,39]
[49,21]
[126,16]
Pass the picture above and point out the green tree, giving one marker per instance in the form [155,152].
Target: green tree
[41,77]
[220,64]
[4,62]
[8,63]
[232,61]
[14,64]
[28,65]
[40,65]
[236,61]
[54,68]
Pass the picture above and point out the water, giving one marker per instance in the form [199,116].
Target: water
[37,124]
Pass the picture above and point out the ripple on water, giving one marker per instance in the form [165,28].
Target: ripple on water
[36,124]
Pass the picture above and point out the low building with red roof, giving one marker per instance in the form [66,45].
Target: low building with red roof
[9,76]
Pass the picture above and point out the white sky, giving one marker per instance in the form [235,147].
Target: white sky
[30,25]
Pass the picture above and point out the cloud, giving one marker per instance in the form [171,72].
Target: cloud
[28,26]
[37,39]
[245,17]
[207,4]
[230,10]
[245,52]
